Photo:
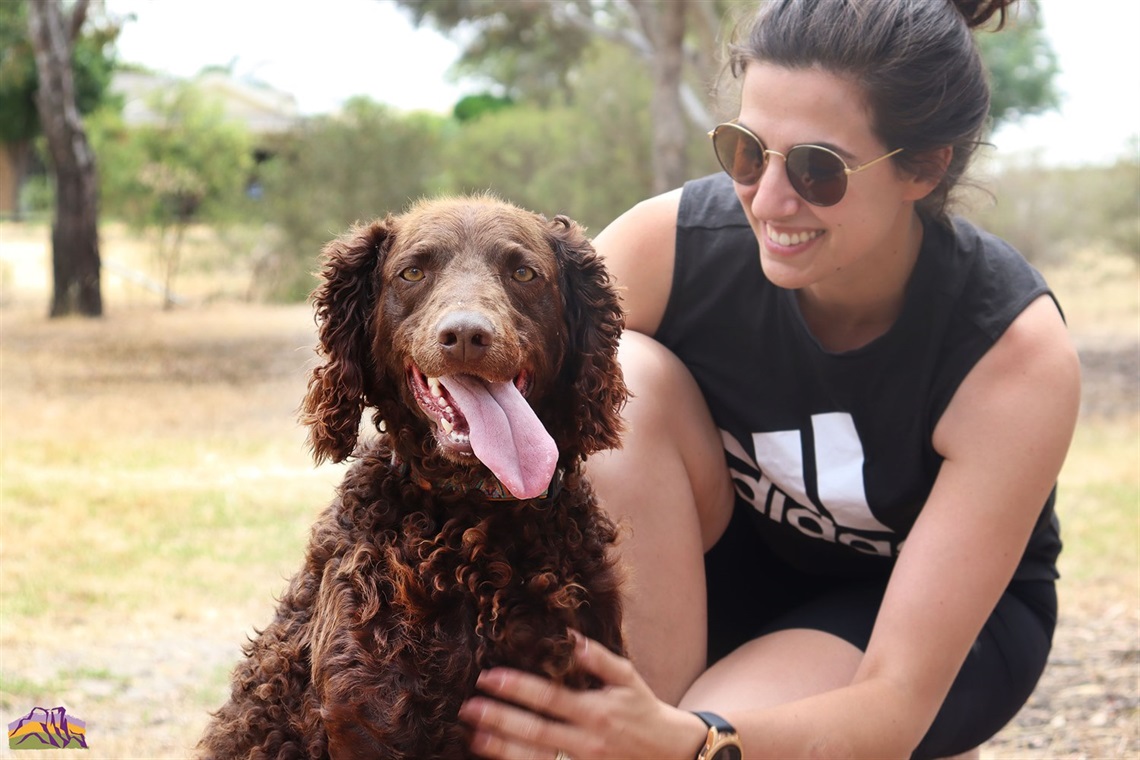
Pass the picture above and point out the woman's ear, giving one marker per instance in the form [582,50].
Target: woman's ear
[927,170]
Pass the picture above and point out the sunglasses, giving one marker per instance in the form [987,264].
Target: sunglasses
[818,174]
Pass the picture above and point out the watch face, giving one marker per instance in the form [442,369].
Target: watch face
[727,753]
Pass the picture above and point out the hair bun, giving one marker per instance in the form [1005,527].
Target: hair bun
[978,12]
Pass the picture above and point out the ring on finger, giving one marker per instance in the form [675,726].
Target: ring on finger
[562,755]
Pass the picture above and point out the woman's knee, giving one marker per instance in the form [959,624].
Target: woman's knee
[669,428]
[658,382]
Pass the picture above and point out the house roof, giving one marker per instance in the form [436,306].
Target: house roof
[261,108]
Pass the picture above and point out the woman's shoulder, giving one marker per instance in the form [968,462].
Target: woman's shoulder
[710,202]
[998,282]
[638,249]
[641,246]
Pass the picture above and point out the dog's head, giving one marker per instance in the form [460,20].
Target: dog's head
[481,334]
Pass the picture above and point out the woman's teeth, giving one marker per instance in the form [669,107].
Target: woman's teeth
[796,238]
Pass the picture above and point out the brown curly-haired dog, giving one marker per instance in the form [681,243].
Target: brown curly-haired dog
[464,536]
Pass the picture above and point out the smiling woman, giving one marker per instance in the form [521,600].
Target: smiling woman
[845,429]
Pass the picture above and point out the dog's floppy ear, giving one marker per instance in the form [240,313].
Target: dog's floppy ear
[594,319]
[344,305]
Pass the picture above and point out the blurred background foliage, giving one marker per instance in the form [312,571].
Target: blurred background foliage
[571,122]
[334,170]
[190,164]
[1049,212]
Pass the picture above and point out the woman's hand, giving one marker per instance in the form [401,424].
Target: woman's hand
[528,717]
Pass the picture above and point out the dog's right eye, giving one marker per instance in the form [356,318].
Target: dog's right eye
[524,274]
[412,274]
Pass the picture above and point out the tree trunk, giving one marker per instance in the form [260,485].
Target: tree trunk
[75,231]
[664,23]
[18,155]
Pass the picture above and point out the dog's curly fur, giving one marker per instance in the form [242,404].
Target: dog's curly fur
[415,580]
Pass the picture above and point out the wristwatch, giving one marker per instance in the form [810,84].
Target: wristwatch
[722,742]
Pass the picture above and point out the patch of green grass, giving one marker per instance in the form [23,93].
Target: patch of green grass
[21,693]
[1100,531]
[1098,503]
[114,682]
[214,689]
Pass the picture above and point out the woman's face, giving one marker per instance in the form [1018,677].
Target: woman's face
[835,252]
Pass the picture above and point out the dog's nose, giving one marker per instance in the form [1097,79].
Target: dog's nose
[465,335]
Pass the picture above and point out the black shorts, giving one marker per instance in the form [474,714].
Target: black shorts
[1001,669]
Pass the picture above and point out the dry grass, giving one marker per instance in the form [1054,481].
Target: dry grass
[1100,293]
[156,492]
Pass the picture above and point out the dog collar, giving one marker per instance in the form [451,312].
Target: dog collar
[494,490]
[491,487]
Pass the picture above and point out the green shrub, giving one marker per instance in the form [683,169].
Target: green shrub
[1049,213]
[334,171]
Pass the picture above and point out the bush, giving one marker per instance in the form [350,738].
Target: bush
[191,166]
[336,170]
[589,158]
[1050,213]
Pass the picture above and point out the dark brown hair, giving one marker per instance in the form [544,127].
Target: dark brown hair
[915,60]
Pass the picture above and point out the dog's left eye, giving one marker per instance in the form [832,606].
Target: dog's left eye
[412,274]
[523,274]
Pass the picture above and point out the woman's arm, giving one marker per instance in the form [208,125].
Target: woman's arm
[638,248]
[1004,437]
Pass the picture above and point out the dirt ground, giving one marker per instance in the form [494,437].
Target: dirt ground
[153,676]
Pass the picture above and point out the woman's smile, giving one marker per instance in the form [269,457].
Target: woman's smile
[788,240]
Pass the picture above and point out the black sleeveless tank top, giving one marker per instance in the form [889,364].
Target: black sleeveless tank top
[833,451]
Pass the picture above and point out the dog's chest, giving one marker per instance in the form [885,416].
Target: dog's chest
[496,585]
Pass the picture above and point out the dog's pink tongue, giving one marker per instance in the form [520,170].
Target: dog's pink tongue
[506,434]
